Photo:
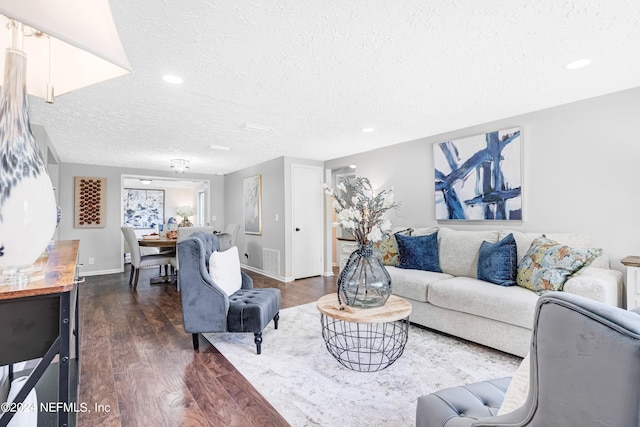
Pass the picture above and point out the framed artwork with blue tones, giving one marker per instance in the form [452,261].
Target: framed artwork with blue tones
[143,208]
[479,177]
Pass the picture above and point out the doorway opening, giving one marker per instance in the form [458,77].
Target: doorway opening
[341,242]
[160,197]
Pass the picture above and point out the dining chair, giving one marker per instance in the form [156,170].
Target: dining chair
[138,260]
[183,233]
[233,229]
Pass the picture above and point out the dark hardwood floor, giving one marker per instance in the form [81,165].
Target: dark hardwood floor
[138,366]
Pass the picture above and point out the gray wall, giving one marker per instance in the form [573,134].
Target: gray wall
[276,203]
[580,172]
[273,203]
[105,244]
[580,167]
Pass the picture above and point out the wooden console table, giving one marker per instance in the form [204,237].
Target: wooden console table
[40,320]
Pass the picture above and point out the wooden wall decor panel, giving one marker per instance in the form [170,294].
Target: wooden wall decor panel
[90,202]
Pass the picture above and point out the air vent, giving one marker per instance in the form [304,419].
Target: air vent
[271,261]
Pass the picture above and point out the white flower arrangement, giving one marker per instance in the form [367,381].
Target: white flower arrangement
[185,211]
[360,211]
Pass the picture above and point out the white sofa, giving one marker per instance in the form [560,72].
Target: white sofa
[457,303]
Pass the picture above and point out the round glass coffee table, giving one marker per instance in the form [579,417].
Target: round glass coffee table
[365,339]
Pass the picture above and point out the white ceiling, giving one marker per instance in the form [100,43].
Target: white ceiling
[318,71]
[161,183]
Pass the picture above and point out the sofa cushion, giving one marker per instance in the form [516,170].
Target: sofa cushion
[513,305]
[548,264]
[419,252]
[388,247]
[458,250]
[413,284]
[599,284]
[423,231]
[497,261]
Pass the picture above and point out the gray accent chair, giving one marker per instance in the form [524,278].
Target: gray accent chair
[207,308]
[138,260]
[183,233]
[585,371]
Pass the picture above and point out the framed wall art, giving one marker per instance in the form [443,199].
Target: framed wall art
[143,208]
[252,198]
[479,177]
[90,204]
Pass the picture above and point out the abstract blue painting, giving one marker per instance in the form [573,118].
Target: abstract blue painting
[479,177]
[143,208]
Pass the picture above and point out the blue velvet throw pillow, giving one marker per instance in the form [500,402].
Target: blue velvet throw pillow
[419,252]
[497,262]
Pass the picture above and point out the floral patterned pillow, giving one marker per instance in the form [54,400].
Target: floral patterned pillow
[548,264]
[388,248]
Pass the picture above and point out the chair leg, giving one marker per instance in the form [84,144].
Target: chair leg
[196,341]
[258,341]
[275,320]
[174,277]
[135,279]
[131,275]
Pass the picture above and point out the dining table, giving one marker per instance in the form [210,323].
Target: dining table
[159,242]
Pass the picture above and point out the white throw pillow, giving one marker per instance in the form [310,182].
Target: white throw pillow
[224,268]
[518,390]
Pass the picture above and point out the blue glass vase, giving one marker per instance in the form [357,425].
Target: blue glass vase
[364,282]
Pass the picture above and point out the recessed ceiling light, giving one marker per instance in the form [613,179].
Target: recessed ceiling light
[367,130]
[352,166]
[145,181]
[256,127]
[174,80]
[219,147]
[574,65]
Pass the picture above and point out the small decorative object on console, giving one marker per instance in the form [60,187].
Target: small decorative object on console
[364,282]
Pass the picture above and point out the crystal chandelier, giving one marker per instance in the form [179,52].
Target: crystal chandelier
[179,165]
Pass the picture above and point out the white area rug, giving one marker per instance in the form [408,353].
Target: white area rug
[301,379]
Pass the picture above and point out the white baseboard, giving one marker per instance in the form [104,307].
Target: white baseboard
[273,276]
[328,273]
[98,272]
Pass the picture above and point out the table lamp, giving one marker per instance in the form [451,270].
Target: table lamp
[69,44]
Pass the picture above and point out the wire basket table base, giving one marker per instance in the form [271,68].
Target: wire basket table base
[365,347]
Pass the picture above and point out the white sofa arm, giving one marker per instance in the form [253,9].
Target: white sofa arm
[600,284]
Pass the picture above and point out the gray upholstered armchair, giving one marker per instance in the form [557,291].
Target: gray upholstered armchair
[206,307]
[584,371]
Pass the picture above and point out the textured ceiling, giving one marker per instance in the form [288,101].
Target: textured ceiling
[318,71]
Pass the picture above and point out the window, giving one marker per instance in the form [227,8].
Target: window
[201,210]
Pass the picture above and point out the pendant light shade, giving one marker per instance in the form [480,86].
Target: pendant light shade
[70,43]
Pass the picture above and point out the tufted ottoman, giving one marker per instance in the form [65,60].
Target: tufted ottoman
[461,406]
[251,310]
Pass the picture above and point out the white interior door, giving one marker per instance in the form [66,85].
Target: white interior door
[307,197]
